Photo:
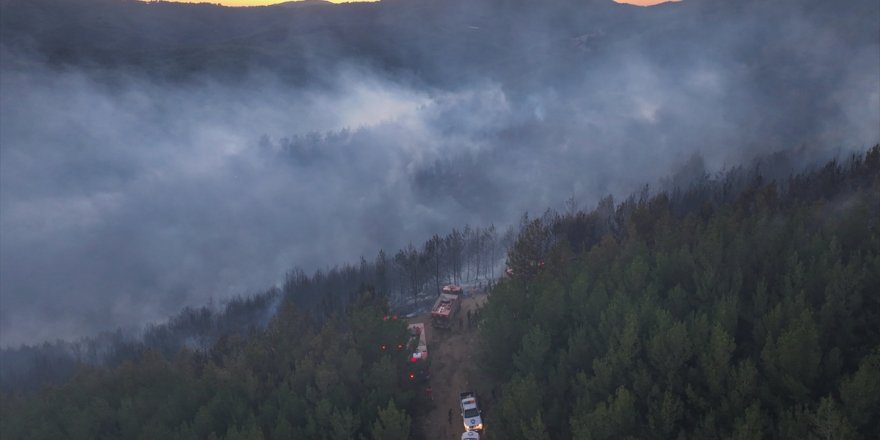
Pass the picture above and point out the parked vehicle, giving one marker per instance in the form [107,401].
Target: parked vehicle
[470,412]
[446,307]
[419,364]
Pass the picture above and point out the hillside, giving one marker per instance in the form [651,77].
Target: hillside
[740,307]
[702,313]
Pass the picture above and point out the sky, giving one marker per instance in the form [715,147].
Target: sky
[258,2]
[645,2]
[269,2]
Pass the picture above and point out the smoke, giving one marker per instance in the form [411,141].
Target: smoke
[122,205]
[124,198]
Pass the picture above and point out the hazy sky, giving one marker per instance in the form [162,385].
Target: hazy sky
[270,2]
[645,2]
[258,2]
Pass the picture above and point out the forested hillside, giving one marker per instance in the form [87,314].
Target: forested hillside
[296,379]
[408,280]
[738,308]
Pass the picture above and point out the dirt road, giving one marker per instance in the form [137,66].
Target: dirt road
[452,355]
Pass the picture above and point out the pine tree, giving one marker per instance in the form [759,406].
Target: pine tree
[391,424]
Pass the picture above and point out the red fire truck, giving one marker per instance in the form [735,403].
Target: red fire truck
[446,307]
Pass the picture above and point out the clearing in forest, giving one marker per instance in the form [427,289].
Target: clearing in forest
[453,370]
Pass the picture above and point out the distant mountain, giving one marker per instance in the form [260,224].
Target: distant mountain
[299,39]
[439,42]
[302,4]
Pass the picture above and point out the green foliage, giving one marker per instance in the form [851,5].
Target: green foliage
[294,380]
[665,414]
[533,354]
[829,423]
[534,428]
[750,426]
[614,419]
[861,394]
[392,424]
[531,248]
[746,316]
[714,361]
[670,348]
[521,404]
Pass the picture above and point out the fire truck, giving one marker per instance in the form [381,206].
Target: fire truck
[446,307]
[418,365]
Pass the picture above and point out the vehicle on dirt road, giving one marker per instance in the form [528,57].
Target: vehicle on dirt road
[446,307]
[419,364]
[470,435]
[470,412]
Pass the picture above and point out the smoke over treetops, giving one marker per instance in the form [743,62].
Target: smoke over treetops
[142,170]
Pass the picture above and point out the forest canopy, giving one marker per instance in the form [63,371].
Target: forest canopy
[707,312]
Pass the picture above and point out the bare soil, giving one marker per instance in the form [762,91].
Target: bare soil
[453,354]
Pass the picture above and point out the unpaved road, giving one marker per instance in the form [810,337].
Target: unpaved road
[452,355]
